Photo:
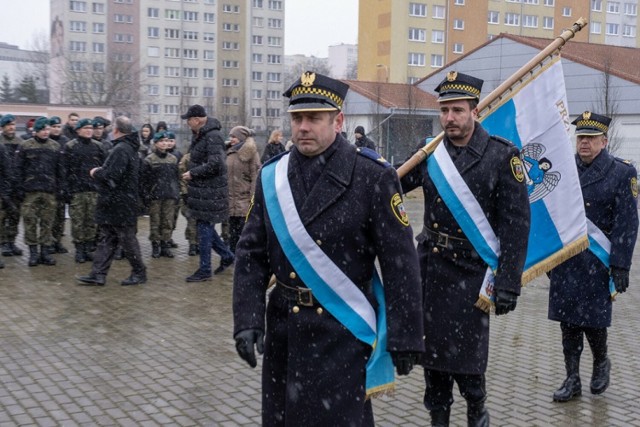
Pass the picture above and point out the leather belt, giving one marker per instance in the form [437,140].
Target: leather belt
[303,296]
[447,241]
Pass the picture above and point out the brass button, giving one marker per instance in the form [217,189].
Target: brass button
[292,275]
[319,310]
[295,309]
[438,200]
[459,231]
[455,255]
[318,242]
[588,204]
[435,225]
[435,250]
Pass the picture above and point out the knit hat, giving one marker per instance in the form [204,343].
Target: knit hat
[360,130]
[40,123]
[241,132]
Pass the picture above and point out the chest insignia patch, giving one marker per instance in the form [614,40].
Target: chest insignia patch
[398,209]
[634,187]
[517,169]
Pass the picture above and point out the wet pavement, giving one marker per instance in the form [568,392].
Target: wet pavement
[162,354]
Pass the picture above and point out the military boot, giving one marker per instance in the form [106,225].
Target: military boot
[477,415]
[193,250]
[155,249]
[440,417]
[571,387]
[80,257]
[172,244]
[45,255]
[15,250]
[59,249]
[165,249]
[87,252]
[34,257]
[600,376]
[6,249]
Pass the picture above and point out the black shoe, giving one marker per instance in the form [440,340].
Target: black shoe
[135,279]
[92,279]
[477,415]
[199,276]
[224,264]
[155,249]
[172,243]
[440,417]
[59,249]
[15,250]
[165,250]
[571,387]
[80,257]
[45,256]
[600,376]
[193,250]
[6,249]
[34,256]
[119,254]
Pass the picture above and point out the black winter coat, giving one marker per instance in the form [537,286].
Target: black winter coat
[118,183]
[208,190]
[272,150]
[80,156]
[39,167]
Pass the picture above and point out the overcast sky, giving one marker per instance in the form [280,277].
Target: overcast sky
[311,26]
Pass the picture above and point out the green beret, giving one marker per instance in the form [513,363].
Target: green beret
[83,122]
[40,123]
[55,120]
[7,119]
[171,135]
[159,135]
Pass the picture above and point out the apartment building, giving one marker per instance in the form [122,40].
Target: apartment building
[151,59]
[401,41]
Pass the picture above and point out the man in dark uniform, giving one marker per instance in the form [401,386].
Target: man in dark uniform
[351,212]
[581,292]
[55,133]
[9,226]
[453,272]
[362,140]
[6,179]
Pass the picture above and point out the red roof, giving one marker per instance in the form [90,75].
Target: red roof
[395,95]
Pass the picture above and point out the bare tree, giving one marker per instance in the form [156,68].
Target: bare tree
[606,103]
[312,63]
[6,91]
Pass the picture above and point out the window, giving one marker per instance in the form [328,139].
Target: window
[629,30]
[493,17]
[256,58]
[207,92]
[530,21]
[273,112]
[230,64]
[274,23]
[153,70]
[550,3]
[512,19]
[256,40]
[274,95]
[631,9]
[153,90]
[97,8]
[417,34]
[208,55]
[459,2]
[613,29]
[458,24]
[123,38]
[78,6]
[172,90]
[256,112]
[153,32]
[530,1]
[190,91]
[596,5]
[257,3]
[438,12]
[209,37]
[613,7]
[596,27]
[208,73]
[258,22]
[566,11]
[274,59]
[228,100]
[437,61]
[437,36]
[171,52]
[153,108]
[78,27]
[171,109]
[273,77]
[98,48]
[98,67]
[122,19]
[170,33]
[172,71]
[77,66]
[153,52]
[190,73]
[275,4]
[458,48]
[417,9]
[230,82]
[256,76]
[274,41]
[190,53]
[230,46]
[256,94]
[190,35]
[171,14]
[228,8]
[231,27]
[190,16]
[209,17]
[153,12]
[547,22]
[416,59]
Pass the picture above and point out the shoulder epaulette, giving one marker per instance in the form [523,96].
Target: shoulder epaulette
[625,161]
[501,139]
[373,155]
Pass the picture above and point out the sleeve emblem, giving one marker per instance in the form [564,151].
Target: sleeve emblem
[517,169]
[398,209]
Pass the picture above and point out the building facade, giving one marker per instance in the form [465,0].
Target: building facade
[151,59]
[401,41]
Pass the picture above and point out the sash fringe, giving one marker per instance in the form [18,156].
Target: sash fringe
[572,249]
[483,304]
[382,390]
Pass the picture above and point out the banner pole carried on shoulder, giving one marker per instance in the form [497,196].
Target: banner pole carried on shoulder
[499,93]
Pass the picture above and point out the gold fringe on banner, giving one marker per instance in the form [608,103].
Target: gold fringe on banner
[483,304]
[383,390]
[572,249]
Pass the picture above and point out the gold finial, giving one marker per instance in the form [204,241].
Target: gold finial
[308,78]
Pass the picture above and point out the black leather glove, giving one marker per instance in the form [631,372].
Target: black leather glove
[245,340]
[620,278]
[404,361]
[505,301]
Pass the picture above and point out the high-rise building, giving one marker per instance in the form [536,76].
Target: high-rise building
[151,59]
[402,41]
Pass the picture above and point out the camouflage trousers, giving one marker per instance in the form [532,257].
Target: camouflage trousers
[161,219]
[82,210]
[9,224]
[191,232]
[38,209]
[58,222]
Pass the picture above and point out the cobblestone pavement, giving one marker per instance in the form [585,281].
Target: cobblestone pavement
[162,353]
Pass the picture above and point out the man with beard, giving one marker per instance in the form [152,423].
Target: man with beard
[9,226]
[489,194]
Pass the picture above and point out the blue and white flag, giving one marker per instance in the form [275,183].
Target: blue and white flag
[535,118]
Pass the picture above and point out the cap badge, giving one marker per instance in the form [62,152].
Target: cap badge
[586,115]
[307,79]
[452,75]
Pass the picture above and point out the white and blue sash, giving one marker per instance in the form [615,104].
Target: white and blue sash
[329,285]
[469,214]
[600,246]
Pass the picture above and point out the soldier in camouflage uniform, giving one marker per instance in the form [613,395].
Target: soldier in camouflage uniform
[39,183]
[55,133]
[191,232]
[9,224]
[79,157]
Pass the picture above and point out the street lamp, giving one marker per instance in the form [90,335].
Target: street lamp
[386,71]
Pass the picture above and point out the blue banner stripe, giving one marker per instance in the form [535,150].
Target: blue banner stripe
[599,251]
[544,239]
[321,290]
[502,122]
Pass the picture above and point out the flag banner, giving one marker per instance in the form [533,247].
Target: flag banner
[535,118]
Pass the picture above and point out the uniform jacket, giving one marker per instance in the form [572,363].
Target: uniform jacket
[243,164]
[6,177]
[457,333]
[39,167]
[579,292]
[118,184]
[11,144]
[207,190]
[348,213]
[80,156]
[160,178]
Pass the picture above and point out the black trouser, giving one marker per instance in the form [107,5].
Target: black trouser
[236,224]
[110,237]
[572,340]
[438,393]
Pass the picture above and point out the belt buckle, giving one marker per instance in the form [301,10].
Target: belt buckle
[443,240]
[305,297]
